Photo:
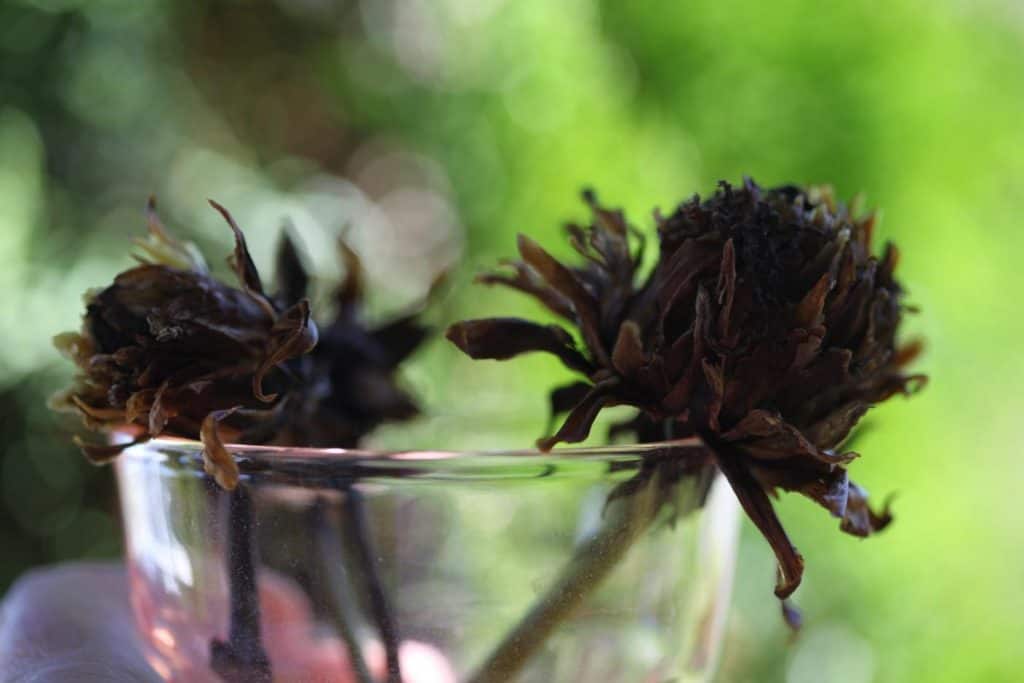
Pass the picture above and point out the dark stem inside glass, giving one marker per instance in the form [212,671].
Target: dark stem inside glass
[242,658]
[380,605]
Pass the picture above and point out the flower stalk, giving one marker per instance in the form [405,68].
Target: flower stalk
[629,513]
[242,658]
[358,528]
[343,596]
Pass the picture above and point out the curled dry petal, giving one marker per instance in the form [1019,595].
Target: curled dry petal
[292,335]
[217,462]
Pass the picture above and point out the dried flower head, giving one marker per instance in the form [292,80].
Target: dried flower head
[766,328]
[348,380]
[169,349]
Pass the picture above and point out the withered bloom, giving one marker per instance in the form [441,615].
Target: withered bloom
[170,349]
[348,379]
[766,328]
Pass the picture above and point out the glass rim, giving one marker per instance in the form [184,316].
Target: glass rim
[327,455]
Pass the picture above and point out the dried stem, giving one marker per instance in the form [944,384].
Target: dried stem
[342,594]
[626,518]
[242,658]
[380,606]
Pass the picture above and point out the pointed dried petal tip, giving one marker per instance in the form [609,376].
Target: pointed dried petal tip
[350,292]
[576,427]
[290,274]
[766,326]
[159,247]
[628,353]
[241,261]
[809,311]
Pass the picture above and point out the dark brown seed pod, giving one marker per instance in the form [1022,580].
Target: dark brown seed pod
[349,384]
[767,328]
[168,349]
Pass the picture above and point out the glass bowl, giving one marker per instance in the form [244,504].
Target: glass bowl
[611,564]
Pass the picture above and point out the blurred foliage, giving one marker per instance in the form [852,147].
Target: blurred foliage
[431,129]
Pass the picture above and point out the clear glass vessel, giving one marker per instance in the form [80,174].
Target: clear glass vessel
[582,565]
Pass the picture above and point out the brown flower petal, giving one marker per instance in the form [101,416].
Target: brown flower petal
[350,292]
[726,289]
[100,415]
[860,519]
[158,414]
[577,426]
[289,273]
[833,429]
[809,311]
[292,335]
[400,338]
[501,338]
[217,462]
[755,503]
[527,281]
[564,399]
[241,261]
[687,353]
[832,489]
[713,376]
[563,281]
[628,352]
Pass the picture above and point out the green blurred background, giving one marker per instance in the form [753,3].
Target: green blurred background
[434,130]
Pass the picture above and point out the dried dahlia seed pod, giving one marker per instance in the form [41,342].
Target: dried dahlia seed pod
[787,327]
[767,328]
[350,382]
[167,348]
